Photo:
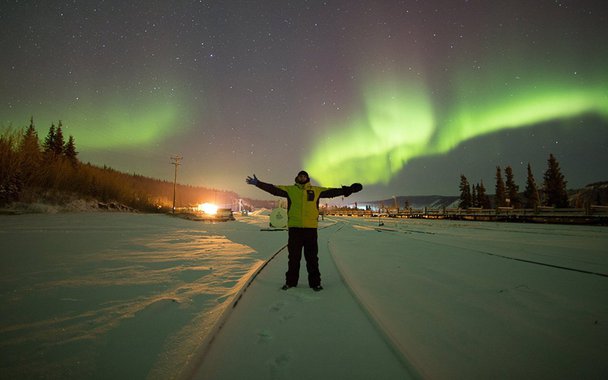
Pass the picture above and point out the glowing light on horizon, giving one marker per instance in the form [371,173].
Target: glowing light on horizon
[208,208]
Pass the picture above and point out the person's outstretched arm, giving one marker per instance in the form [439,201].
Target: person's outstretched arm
[341,191]
[267,187]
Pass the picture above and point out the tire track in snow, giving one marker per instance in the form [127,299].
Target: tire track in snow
[396,231]
[392,341]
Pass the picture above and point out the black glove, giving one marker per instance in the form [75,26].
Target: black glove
[356,187]
[252,181]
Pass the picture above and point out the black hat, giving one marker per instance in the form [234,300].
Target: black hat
[302,172]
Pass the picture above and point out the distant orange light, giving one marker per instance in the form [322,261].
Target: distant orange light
[207,208]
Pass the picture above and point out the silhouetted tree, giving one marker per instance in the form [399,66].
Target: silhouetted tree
[58,142]
[30,138]
[54,142]
[531,198]
[29,153]
[512,188]
[501,197]
[49,140]
[474,197]
[554,185]
[10,181]
[483,199]
[69,150]
[465,193]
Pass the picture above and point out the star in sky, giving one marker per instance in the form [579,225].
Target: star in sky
[403,96]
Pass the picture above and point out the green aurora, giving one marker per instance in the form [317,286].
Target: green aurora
[124,127]
[121,123]
[401,122]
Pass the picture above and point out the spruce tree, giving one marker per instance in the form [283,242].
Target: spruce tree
[554,185]
[512,188]
[30,142]
[69,150]
[484,200]
[474,197]
[49,141]
[531,198]
[29,153]
[58,142]
[465,193]
[500,198]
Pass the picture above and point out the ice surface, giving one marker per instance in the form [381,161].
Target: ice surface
[106,295]
[95,295]
[448,296]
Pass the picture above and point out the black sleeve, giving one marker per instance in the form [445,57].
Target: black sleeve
[272,189]
[336,192]
[345,191]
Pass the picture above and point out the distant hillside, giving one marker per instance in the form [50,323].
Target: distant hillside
[592,194]
[252,204]
[418,202]
[50,173]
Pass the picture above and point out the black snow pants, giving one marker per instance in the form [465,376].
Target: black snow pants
[303,238]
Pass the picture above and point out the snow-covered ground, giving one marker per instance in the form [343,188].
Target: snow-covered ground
[96,295]
[115,295]
[456,304]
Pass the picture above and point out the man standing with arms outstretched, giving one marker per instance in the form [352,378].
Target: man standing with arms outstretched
[303,213]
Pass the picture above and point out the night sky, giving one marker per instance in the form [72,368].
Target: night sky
[402,96]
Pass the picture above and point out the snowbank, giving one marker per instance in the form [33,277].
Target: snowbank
[74,205]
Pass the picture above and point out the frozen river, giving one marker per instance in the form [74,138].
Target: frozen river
[102,295]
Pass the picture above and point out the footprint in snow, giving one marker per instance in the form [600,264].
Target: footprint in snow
[287,317]
[277,306]
[279,366]
[304,297]
[264,337]
[282,360]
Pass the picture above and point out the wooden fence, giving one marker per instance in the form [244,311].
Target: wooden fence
[597,215]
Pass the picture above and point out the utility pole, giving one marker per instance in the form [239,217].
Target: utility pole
[175,161]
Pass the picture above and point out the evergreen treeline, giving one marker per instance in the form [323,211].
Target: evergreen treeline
[552,193]
[32,171]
